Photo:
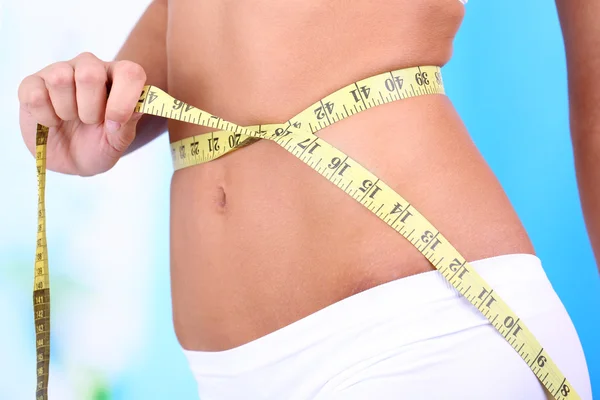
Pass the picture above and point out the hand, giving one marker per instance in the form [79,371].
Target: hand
[89,131]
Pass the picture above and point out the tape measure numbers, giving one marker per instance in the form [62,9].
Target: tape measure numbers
[297,137]
[41,282]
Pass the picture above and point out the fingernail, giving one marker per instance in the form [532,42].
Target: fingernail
[111,126]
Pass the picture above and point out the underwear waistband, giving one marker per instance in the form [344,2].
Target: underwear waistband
[392,299]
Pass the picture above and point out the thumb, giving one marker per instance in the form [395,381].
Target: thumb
[120,136]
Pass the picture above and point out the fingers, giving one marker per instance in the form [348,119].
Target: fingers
[99,129]
[67,91]
[60,82]
[77,90]
[35,99]
[90,81]
[117,142]
[128,80]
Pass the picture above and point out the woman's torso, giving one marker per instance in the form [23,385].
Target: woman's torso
[259,240]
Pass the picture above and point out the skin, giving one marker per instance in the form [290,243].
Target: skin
[581,33]
[258,240]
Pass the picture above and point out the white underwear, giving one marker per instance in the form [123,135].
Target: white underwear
[413,338]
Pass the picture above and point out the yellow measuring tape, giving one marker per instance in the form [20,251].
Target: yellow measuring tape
[41,282]
[297,137]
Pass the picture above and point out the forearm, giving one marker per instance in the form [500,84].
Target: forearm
[587,164]
[581,31]
[146,46]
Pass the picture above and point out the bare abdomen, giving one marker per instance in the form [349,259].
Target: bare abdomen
[260,240]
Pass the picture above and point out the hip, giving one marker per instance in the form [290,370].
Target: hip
[412,338]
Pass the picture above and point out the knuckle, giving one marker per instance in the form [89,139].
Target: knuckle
[91,74]
[116,145]
[130,70]
[60,75]
[36,98]
[23,91]
[120,143]
[87,56]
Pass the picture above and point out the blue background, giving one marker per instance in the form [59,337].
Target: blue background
[108,234]
[508,81]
